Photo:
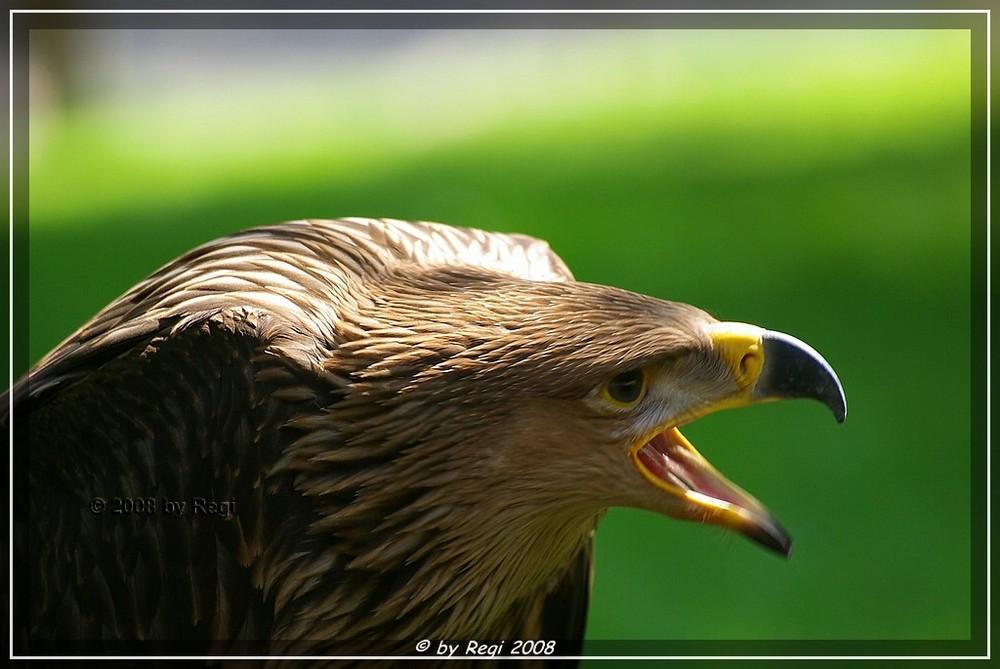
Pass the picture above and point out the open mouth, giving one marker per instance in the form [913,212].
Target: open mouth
[763,366]
[672,464]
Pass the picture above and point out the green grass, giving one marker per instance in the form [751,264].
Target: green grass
[815,183]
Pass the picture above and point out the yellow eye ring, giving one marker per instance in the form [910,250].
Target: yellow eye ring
[625,389]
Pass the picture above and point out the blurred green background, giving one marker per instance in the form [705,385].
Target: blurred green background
[811,181]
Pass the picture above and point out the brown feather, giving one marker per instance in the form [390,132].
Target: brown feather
[393,407]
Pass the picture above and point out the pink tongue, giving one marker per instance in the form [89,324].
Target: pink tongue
[669,457]
[673,460]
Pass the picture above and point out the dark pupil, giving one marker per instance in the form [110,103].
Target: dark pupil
[626,387]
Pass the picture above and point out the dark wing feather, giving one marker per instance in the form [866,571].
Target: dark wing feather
[158,426]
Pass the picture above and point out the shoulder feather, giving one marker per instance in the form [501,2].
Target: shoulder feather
[289,281]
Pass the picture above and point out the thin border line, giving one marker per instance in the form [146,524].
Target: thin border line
[500,11]
[989,339]
[10,313]
[986,12]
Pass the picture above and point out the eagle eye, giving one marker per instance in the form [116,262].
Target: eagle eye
[626,388]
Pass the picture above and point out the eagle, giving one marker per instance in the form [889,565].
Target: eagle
[345,436]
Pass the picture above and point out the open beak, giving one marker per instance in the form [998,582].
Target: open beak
[765,366]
